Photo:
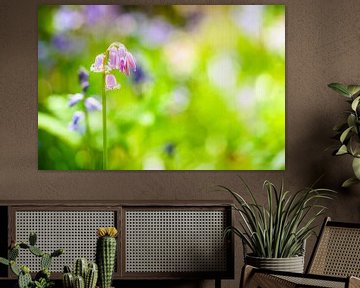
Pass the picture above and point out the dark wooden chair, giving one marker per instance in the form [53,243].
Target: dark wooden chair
[335,262]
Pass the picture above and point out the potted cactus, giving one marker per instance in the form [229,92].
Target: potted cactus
[106,254]
[42,278]
[84,275]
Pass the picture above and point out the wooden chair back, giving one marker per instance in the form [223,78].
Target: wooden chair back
[337,251]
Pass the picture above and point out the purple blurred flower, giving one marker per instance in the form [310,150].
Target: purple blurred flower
[156,32]
[97,13]
[43,51]
[83,78]
[75,122]
[67,18]
[194,18]
[139,75]
[92,104]
[62,42]
[98,65]
[65,44]
[75,98]
[110,82]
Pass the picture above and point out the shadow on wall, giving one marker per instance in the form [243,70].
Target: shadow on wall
[316,162]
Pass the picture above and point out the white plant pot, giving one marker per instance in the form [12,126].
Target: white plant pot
[291,264]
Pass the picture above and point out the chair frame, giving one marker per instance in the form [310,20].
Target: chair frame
[268,278]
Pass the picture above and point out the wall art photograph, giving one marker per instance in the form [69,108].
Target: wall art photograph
[166,87]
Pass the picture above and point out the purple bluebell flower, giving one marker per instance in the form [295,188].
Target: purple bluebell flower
[122,51]
[75,98]
[83,78]
[130,61]
[92,104]
[121,59]
[126,62]
[98,65]
[156,32]
[62,42]
[67,18]
[75,122]
[114,58]
[110,82]
[97,13]
[139,75]
[118,58]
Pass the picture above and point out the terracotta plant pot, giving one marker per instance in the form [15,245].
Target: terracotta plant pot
[291,264]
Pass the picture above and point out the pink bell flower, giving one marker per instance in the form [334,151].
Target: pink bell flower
[110,82]
[130,61]
[98,65]
[121,59]
[122,51]
[113,58]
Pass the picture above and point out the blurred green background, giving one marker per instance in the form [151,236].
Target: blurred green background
[208,94]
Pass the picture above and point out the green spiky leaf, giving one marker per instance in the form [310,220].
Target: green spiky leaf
[279,228]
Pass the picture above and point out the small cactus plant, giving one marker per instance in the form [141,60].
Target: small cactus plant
[106,254]
[85,275]
[81,267]
[42,278]
[91,276]
[79,282]
[25,279]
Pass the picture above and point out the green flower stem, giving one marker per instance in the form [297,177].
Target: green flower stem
[104,124]
[88,138]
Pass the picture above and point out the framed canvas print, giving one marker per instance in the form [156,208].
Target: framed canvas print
[166,87]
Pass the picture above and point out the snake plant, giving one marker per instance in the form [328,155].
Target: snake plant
[279,228]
